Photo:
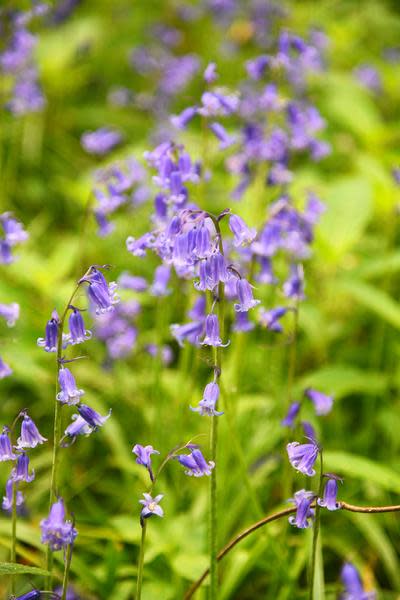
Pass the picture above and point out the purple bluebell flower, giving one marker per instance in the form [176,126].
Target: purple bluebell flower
[313,210]
[189,331]
[8,498]
[164,351]
[151,507]
[78,426]
[309,431]
[222,135]
[266,274]
[71,593]
[322,403]
[257,67]
[30,436]
[208,403]
[292,413]
[56,531]
[302,457]
[132,282]
[294,286]
[198,310]
[304,513]
[270,318]
[69,393]
[93,418]
[242,233]
[217,103]
[279,174]
[212,337]
[101,141]
[5,370]
[138,246]
[49,342]
[27,95]
[354,589]
[369,77]
[329,500]
[195,463]
[101,294]
[77,331]
[19,51]
[210,73]
[242,322]
[143,454]
[183,119]
[6,257]
[21,471]
[6,452]
[161,279]
[10,312]
[245,296]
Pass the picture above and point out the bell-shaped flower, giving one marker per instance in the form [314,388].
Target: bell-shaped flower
[304,513]
[5,370]
[21,471]
[329,499]
[56,531]
[143,454]
[245,295]
[92,418]
[212,337]
[10,313]
[242,233]
[49,342]
[208,403]
[8,498]
[6,452]
[30,436]
[195,463]
[302,457]
[69,393]
[354,589]
[77,331]
[322,403]
[292,413]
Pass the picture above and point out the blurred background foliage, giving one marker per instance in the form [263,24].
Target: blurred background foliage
[349,325]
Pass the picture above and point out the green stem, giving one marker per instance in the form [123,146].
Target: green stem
[316,528]
[13,554]
[67,566]
[57,429]
[140,563]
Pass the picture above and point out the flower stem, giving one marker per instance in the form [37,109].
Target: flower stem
[13,554]
[316,528]
[67,566]
[57,427]
[140,563]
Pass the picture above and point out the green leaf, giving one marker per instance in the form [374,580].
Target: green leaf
[362,468]
[349,209]
[17,569]
[372,298]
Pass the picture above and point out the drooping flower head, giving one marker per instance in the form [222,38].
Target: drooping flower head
[8,498]
[242,233]
[49,342]
[195,463]
[102,295]
[6,452]
[270,318]
[101,141]
[69,393]
[329,499]
[143,454]
[322,402]
[78,426]
[5,369]
[77,331]
[10,313]
[212,337]
[304,513]
[21,471]
[354,589]
[208,403]
[292,413]
[151,507]
[245,296]
[30,436]
[92,418]
[302,457]
[56,531]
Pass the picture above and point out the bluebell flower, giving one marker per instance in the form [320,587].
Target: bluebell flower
[309,431]
[6,452]
[183,119]
[242,233]
[6,257]
[101,141]
[78,426]
[257,67]
[21,471]
[245,296]
[71,593]
[302,457]
[8,498]
[212,337]
[270,318]
[56,531]
[49,342]
[354,589]
[195,463]
[292,413]
[151,507]
[217,103]
[208,403]
[242,322]
[221,134]
[143,454]
[189,331]
[322,403]
[10,312]
[329,499]
[93,418]
[161,279]
[294,285]
[13,230]
[30,436]
[304,514]
[69,393]
[198,310]
[210,73]
[132,282]
[5,370]
[77,332]
[266,274]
